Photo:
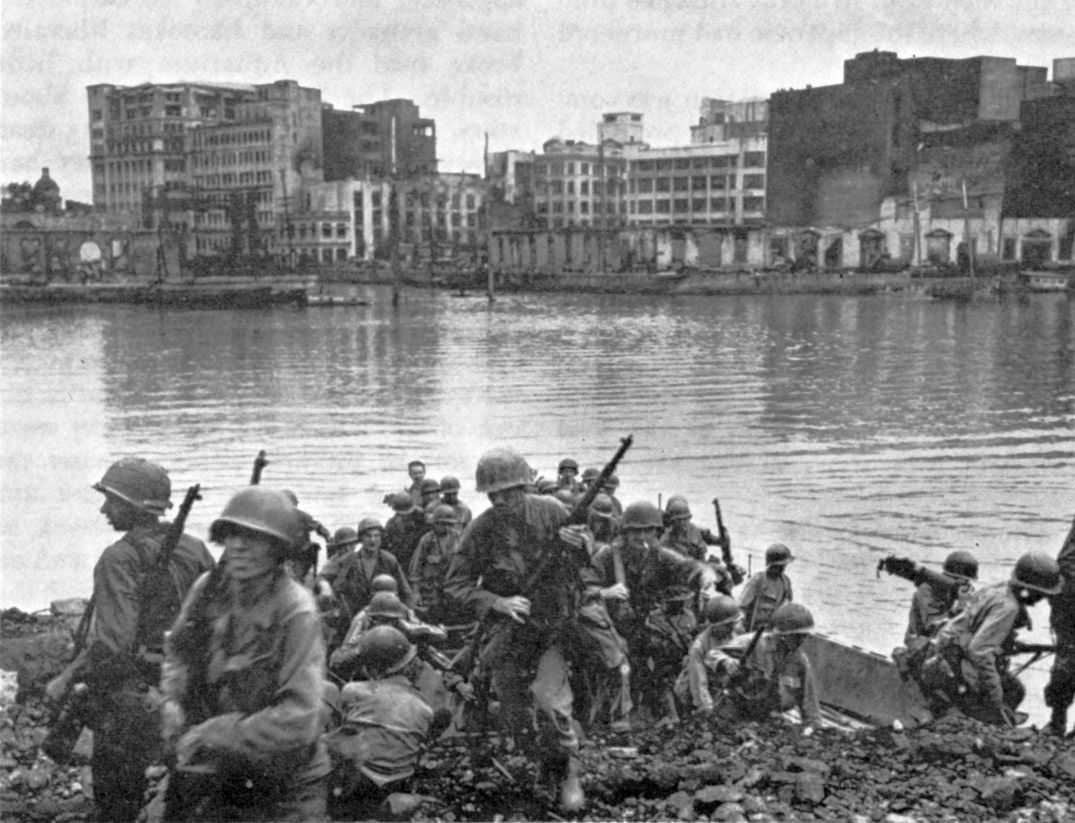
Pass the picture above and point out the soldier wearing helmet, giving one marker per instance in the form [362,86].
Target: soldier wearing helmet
[1060,690]
[683,536]
[344,539]
[348,577]
[567,474]
[503,571]
[777,675]
[387,725]
[243,677]
[587,479]
[609,487]
[969,655]
[707,669]
[449,495]
[430,495]
[636,574]
[601,521]
[766,591]
[121,657]
[405,528]
[429,567]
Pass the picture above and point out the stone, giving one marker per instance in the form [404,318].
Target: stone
[729,812]
[807,764]
[1063,765]
[712,796]
[809,787]
[403,804]
[681,801]
[1000,793]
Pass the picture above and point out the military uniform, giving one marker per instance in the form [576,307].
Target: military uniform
[402,533]
[428,569]
[707,667]
[785,680]
[123,668]
[1060,691]
[761,596]
[258,717]
[351,577]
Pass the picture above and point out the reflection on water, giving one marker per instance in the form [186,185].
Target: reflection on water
[845,427]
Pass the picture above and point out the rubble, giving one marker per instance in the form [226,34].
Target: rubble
[955,769]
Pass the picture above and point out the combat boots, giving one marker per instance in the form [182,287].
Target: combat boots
[572,798]
[1058,723]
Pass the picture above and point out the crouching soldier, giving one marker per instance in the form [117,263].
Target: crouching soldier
[968,662]
[774,674]
[709,668]
[242,678]
[386,726]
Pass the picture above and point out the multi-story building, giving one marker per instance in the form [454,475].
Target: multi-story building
[381,139]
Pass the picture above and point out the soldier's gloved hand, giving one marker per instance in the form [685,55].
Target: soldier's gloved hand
[617,591]
[517,607]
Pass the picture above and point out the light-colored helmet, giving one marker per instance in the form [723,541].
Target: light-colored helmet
[778,555]
[139,482]
[721,610]
[445,514]
[385,650]
[792,618]
[260,510]
[499,469]
[641,515]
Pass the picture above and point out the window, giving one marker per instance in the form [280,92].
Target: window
[98,114]
[570,186]
[584,187]
[681,183]
[584,207]
[663,206]
[754,158]
[173,111]
[570,168]
[556,186]
[718,181]
[645,185]
[1009,248]
[645,207]
[680,205]
[683,163]
[753,203]
[664,165]
[584,168]
[664,184]
[718,203]
[326,230]
[699,162]
[645,165]
[341,230]
[698,183]
[698,204]
[753,181]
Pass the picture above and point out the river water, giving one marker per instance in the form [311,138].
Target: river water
[845,427]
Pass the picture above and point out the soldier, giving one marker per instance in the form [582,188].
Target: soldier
[601,521]
[123,652]
[609,488]
[776,675]
[416,470]
[405,528]
[518,568]
[587,480]
[1060,690]
[343,540]
[449,490]
[637,574]
[429,567]
[303,564]
[764,593]
[683,536]
[708,668]
[387,725]
[242,678]
[968,664]
[567,475]
[348,577]
[429,495]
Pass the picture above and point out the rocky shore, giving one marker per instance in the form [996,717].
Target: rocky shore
[953,770]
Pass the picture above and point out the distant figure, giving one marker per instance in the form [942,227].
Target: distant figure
[449,490]
[416,470]
[764,593]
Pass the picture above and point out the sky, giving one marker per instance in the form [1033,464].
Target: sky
[520,71]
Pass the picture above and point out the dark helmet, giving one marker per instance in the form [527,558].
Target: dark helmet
[499,469]
[261,510]
[612,483]
[144,485]
[568,464]
[721,610]
[777,555]
[402,503]
[961,564]
[343,537]
[677,508]
[449,484]
[384,583]
[386,604]
[445,514]
[602,507]
[430,485]
[1038,571]
[368,523]
[385,650]
[547,487]
[641,515]
[792,618]
[590,475]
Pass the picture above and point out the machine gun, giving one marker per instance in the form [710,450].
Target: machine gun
[918,574]
[725,541]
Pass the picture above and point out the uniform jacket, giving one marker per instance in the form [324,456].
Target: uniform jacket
[790,672]
[392,722]
[761,596]
[706,658]
[349,580]
[429,566]
[981,631]
[402,533]
[265,668]
[650,574]
[118,579]
[1062,606]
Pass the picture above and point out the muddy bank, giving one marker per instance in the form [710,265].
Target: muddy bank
[955,769]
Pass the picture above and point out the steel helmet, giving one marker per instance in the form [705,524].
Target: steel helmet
[1038,571]
[547,487]
[384,583]
[368,523]
[590,475]
[612,483]
[445,514]
[402,503]
[961,564]
[777,555]
[602,507]
[499,469]
[386,604]
[721,610]
[449,484]
[430,485]
[141,483]
[792,618]
[385,650]
[290,495]
[344,536]
[261,510]
[677,508]
[568,464]
[641,515]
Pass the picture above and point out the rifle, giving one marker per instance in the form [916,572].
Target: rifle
[1035,650]
[260,462]
[736,571]
[747,685]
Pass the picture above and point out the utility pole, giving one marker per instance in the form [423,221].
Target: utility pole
[486,229]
